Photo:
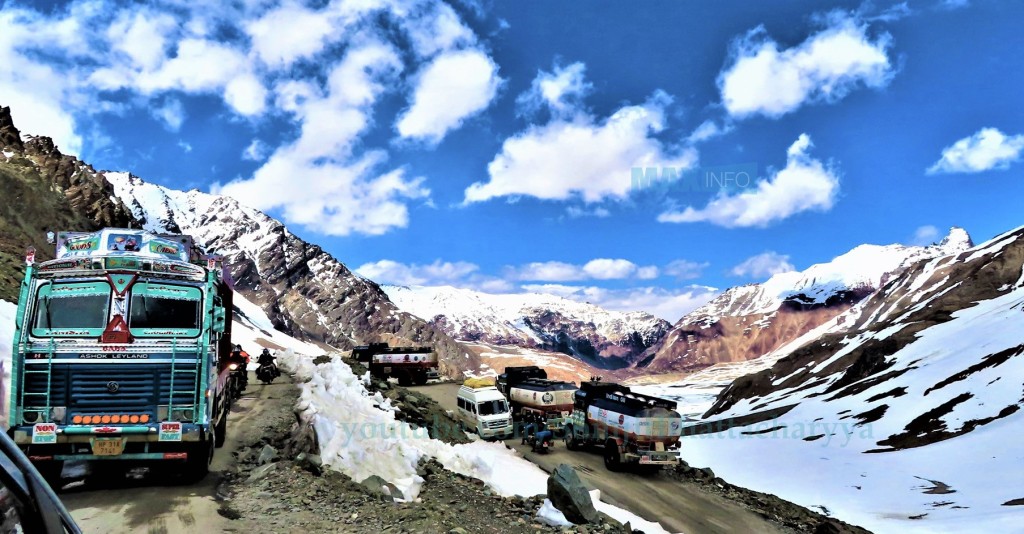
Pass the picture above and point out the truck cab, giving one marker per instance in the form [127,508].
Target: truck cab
[485,411]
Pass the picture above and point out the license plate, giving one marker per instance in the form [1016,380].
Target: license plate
[107,446]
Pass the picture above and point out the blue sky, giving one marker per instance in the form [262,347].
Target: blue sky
[491,145]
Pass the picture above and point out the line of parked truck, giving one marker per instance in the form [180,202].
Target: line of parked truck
[631,428]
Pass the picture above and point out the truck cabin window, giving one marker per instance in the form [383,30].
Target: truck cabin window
[492,407]
[72,312]
[148,311]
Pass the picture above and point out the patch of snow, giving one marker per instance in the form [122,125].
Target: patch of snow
[360,436]
[549,515]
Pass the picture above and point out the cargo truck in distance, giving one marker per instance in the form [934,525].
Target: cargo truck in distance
[631,428]
[117,354]
[410,365]
[530,394]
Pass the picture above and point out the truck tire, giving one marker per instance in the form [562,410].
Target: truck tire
[612,459]
[221,431]
[200,455]
[421,378]
[51,471]
[570,439]
[404,380]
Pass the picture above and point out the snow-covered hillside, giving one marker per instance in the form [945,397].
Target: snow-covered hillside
[533,320]
[909,421]
[745,322]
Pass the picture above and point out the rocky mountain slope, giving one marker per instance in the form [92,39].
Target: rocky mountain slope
[43,189]
[928,380]
[600,338]
[306,292]
[748,321]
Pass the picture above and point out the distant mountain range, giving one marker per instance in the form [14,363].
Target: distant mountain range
[601,338]
[748,321]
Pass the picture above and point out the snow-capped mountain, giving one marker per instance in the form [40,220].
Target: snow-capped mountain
[304,290]
[909,419]
[748,321]
[603,338]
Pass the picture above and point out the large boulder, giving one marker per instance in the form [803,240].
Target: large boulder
[570,496]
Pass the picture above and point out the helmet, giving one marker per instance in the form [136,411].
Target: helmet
[238,347]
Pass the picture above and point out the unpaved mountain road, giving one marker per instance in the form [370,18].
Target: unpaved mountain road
[679,507]
[154,506]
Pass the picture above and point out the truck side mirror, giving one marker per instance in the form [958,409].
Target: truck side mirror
[219,319]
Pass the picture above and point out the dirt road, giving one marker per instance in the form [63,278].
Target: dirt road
[147,504]
[679,507]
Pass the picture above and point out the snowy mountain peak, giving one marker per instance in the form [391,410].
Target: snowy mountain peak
[533,320]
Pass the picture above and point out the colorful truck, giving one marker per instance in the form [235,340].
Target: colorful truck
[408,364]
[632,428]
[118,353]
[530,393]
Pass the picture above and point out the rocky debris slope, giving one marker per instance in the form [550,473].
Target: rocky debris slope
[304,290]
[748,321]
[278,485]
[601,338]
[43,189]
[779,511]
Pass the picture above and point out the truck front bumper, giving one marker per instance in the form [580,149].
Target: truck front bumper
[137,442]
[654,458]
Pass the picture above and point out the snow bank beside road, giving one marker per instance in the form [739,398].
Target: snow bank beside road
[360,436]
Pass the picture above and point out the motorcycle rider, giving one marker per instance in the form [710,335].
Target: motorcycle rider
[240,358]
[267,359]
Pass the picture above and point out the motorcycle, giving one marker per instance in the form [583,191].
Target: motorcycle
[239,380]
[539,438]
[266,373]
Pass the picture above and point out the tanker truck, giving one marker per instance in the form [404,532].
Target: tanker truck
[408,364]
[529,392]
[631,428]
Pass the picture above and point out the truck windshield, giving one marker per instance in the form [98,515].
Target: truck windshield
[492,407]
[73,308]
[163,307]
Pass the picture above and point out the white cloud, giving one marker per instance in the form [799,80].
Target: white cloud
[256,151]
[458,274]
[763,265]
[708,129]
[684,269]
[761,79]
[596,269]
[582,157]
[436,273]
[548,271]
[314,180]
[576,212]
[609,269]
[804,184]
[437,28]
[668,304]
[560,91]
[925,235]
[171,113]
[288,33]
[185,145]
[452,88]
[987,149]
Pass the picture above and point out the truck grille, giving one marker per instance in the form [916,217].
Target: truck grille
[500,423]
[104,387]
